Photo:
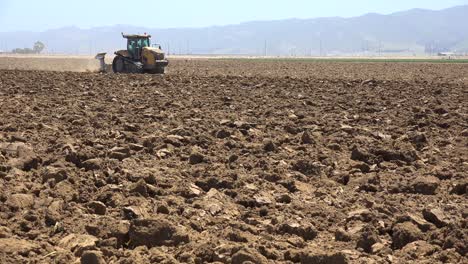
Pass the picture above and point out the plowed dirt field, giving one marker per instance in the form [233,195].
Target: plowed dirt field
[236,161]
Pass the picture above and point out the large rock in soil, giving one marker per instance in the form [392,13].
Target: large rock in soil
[155,232]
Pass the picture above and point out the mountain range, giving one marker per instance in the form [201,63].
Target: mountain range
[416,31]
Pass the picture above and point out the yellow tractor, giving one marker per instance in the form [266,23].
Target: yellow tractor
[140,56]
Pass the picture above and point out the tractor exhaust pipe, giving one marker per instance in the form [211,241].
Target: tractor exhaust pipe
[101,57]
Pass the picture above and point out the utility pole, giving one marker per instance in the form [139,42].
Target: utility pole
[265,49]
[380,48]
[321,48]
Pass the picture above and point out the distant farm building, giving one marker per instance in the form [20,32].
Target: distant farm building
[446,54]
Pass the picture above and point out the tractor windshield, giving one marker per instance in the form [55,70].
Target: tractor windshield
[138,43]
[144,42]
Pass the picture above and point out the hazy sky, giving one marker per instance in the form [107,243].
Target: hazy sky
[38,15]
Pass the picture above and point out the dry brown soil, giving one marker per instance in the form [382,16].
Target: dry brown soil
[49,63]
[236,162]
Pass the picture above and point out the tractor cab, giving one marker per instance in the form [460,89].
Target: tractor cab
[136,43]
[139,56]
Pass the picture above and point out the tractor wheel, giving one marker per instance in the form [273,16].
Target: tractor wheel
[134,68]
[158,70]
[118,65]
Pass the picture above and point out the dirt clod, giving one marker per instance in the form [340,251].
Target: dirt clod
[139,187]
[307,232]
[20,201]
[78,243]
[426,185]
[196,158]
[92,164]
[97,207]
[405,233]
[335,258]
[248,256]
[369,236]
[92,257]
[155,232]
[435,216]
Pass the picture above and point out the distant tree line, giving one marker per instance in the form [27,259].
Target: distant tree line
[36,49]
